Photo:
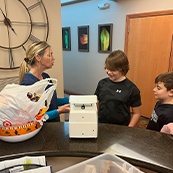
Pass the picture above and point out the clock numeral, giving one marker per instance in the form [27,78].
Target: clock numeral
[33,38]
[11,59]
[34,5]
[39,24]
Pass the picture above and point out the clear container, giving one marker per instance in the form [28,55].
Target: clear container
[104,163]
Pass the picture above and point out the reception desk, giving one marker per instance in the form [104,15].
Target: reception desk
[140,147]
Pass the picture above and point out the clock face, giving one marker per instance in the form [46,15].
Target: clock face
[21,23]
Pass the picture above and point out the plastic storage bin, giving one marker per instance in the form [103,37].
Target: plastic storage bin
[104,163]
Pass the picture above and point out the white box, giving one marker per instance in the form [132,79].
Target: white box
[83,121]
[104,163]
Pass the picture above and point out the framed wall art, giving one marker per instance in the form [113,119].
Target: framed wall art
[66,38]
[105,38]
[83,38]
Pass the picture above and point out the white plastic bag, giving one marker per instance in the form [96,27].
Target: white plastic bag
[17,108]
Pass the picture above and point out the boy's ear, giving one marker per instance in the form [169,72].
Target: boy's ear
[171,93]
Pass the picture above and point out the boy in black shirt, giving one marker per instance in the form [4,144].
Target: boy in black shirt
[163,111]
[116,94]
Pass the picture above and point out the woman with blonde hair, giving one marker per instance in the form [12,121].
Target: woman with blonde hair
[39,57]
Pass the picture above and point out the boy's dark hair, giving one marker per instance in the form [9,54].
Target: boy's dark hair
[166,78]
[117,60]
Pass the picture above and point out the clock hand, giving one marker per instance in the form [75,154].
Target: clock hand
[7,21]
[11,60]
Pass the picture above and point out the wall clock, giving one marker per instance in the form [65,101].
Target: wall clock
[21,23]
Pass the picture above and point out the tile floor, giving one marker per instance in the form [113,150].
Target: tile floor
[143,122]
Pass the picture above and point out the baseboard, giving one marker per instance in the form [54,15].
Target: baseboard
[145,117]
[68,92]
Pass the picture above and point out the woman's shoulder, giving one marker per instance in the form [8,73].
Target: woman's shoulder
[29,79]
[45,75]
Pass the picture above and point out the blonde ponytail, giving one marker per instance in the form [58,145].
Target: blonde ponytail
[23,70]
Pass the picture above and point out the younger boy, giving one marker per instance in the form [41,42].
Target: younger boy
[163,111]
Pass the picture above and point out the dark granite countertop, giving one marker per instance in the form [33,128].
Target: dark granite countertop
[141,147]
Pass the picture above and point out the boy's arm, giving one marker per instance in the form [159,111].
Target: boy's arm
[97,104]
[135,116]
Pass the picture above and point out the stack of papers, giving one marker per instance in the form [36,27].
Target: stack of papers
[25,164]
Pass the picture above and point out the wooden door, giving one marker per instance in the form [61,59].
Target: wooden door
[148,46]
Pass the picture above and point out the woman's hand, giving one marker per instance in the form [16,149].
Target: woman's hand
[64,109]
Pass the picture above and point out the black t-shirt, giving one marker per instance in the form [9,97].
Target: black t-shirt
[115,100]
[161,115]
